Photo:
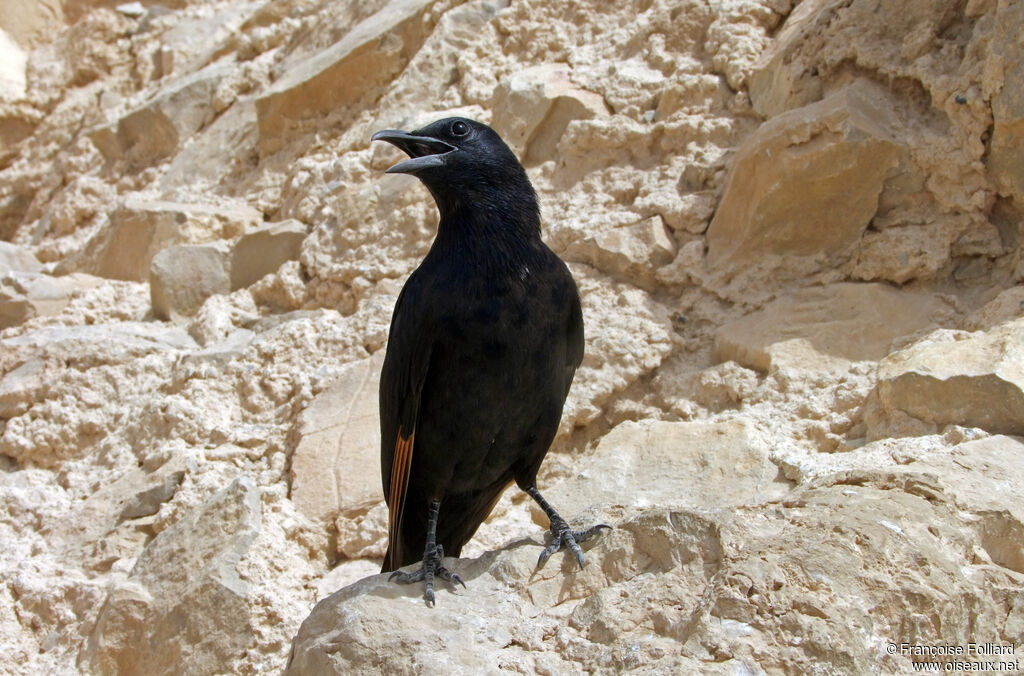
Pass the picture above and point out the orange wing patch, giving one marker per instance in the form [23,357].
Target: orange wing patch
[400,466]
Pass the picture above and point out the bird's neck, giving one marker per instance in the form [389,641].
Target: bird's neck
[493,231]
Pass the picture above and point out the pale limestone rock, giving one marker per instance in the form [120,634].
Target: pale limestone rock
[336,462]
[724,385]
[533,107]
[846,322]
[1005,66]
[263,250]
[283,290]
[655,463]
[160,127]
[1009,304]
[221,316]
[134,10]
[92,46]
[736,45]
[688,212]
[834,41]
[776,84]
[680,590]
[901,254]
[92,344]
[364,535]
[344,574]
[109,528]
[102,408]
[183,606]
[975,472]
[807,182]
[27,295]
[983,474]
[950,378]
[17,122]
[140,228]
[17,259]
[181,278]
[60,414]
[219,148]
[687,266]
[200,38]
[633,252]
[12,69]
[149,500]
[20,386]
[31,22]
[345,76]
[889,36]
[365,620]
[19,646]
[627,337]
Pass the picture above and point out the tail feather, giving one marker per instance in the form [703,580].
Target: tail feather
[458,520]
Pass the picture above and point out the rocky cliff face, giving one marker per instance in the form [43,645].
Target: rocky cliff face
[797,231]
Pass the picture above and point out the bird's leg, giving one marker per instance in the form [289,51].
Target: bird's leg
[562,534]
[433,553]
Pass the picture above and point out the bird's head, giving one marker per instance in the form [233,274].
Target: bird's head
[461,162]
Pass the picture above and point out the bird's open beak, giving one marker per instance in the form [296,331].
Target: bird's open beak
[423,151]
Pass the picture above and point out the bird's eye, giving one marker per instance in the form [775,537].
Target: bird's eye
[459,128]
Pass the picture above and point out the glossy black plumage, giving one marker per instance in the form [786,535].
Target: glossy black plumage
[485,339]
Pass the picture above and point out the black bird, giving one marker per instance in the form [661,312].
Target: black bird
[485,339]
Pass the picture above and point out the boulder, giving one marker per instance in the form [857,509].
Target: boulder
[335,469]
[957,378]
[1006,61]
[91,345]
[533,106]
[693,465]
[141,227]
[181,278]
[349,73]
[32,22]
[807,182]
[14,258]
[633,252]
[148,501]
[901,254]
[20,387]
[687,266]
[263,250]
[17,123]
[24,295]
[184,605]
[509,608]
[12,69]
[1007,305]
[628,334]
[216,150]
[978,474]
[846,321]
[158,128]
[683,590]
[971,471]
[778,82]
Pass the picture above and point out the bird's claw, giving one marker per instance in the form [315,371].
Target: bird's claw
[564,536]
[430,568]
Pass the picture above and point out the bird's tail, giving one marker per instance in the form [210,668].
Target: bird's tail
[458,520]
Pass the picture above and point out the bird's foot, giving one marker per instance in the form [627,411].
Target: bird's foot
[430,568]
[563,536]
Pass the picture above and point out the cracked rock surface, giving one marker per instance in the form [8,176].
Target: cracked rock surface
[797,231]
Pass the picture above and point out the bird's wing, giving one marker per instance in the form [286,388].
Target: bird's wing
[574,345]
[401,382]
